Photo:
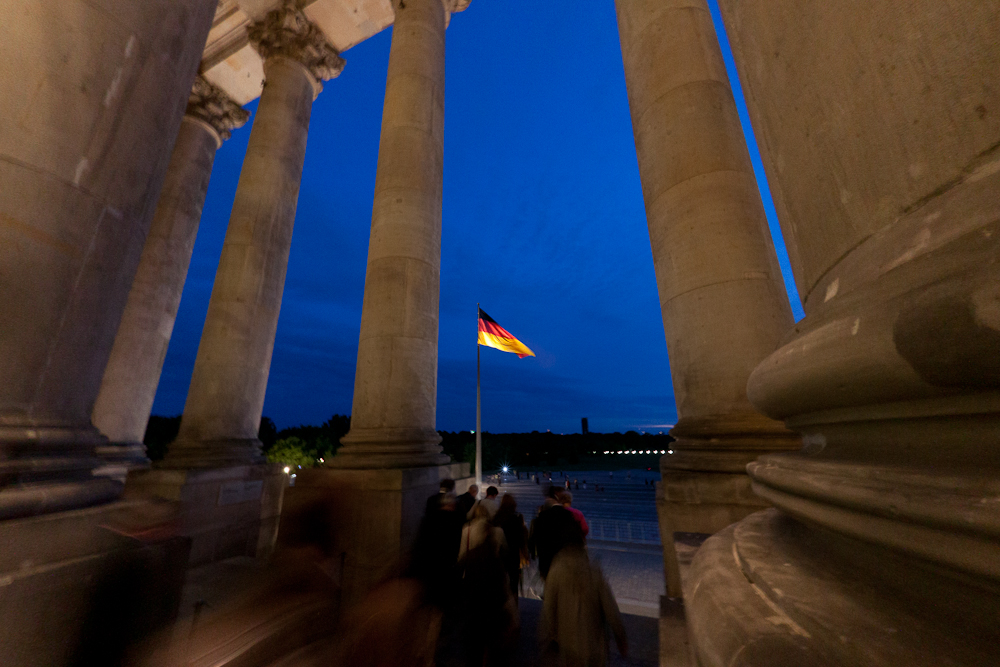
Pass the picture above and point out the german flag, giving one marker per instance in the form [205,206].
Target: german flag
[492,334]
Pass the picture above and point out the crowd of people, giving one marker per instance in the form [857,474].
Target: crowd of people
[470,554]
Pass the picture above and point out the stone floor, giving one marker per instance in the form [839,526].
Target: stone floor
[641,630]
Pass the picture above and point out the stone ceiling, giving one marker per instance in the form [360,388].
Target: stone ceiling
[231,63]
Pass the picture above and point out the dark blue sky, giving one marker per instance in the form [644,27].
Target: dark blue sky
[543,225]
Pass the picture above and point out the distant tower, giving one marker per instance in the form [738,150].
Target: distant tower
[583,425]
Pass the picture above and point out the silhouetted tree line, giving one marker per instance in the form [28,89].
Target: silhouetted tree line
[305,444]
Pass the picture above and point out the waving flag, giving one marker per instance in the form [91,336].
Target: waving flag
[493,335]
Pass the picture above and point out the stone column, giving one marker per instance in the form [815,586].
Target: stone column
[133,371]
[91,99]
[721,293]
[879,131]
[377,484]
[226,396]
[90,116]
[395,385]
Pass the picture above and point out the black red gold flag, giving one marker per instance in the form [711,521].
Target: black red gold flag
[493,335]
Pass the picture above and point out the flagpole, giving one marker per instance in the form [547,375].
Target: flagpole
[479,430]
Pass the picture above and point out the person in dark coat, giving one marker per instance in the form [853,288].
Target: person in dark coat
[465,501]
[435,551]
[553,529]
[515,533]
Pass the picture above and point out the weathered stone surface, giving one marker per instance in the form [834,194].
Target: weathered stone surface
[770,591]
[885,169]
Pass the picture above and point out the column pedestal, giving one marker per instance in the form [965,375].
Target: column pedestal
[226,512]
[374,515]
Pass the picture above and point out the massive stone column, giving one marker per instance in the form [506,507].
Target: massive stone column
[226,396]
[90,116]
[133,371]
[231,500]
[395,386]
[91,99]
[391,461]
[879,131]
[721,293]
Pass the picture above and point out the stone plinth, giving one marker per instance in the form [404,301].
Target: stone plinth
[79,587]
[374,515]
[226,512]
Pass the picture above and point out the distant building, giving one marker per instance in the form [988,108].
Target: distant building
[583,426]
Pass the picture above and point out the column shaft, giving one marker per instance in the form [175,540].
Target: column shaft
[226,396]
[723,302]
[721,294]
[133,372]
[91,115]
[395,388]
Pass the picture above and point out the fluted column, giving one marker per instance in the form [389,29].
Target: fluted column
[133,372]
[879,132]
[92,98]
[721,293]
[226,396]
[395,386]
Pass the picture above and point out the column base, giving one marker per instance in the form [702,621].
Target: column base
[704,485]
[226,512]
[369,449]
[770,591]
[50,468]
[373,514]
[86,586]
[187,454]
[699,502]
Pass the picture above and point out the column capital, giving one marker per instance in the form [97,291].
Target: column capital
[210,104]
[288,32]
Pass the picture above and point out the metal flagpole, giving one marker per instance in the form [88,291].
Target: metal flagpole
[479,431]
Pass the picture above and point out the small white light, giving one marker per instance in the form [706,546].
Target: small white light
[505,468]
[321,460]
[293,476]
[670,451]
[287,470]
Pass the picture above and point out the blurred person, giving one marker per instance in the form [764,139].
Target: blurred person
[491,502]
[577,611]
[435,551]
[553,529]
[515,533]
[396,625]
[491,617]
[433,502]
[566,499]
[467,500]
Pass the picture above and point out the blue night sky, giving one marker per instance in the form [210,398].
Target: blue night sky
[543,225]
